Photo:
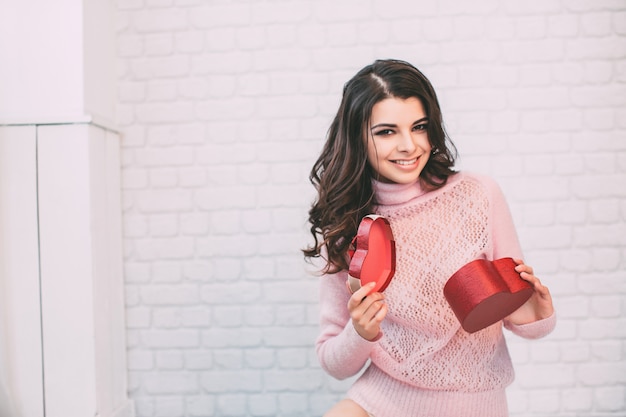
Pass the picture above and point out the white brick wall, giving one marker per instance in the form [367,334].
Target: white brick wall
[224,106]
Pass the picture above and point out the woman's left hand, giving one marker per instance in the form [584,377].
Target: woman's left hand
[539,306]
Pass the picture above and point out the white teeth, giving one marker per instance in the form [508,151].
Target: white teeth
[402,162]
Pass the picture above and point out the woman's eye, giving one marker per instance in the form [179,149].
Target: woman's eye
[384,132]
[423,126]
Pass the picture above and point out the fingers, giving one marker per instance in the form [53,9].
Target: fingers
[367,311]
[359,295]
[527,274]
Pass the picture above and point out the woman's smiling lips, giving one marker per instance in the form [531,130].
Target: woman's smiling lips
[405,162]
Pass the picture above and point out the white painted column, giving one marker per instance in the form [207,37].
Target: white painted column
[21,368]
[62,327]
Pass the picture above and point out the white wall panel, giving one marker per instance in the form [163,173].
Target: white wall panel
[21,379]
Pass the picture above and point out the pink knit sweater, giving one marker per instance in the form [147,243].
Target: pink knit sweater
[425,364]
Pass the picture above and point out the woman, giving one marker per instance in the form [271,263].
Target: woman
[387,153]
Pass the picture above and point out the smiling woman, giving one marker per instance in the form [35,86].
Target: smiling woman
[387,154]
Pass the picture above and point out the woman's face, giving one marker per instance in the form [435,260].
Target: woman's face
[397,144]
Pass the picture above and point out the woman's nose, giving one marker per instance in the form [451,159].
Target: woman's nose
[406,142]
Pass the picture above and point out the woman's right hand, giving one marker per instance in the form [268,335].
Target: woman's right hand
[367,311]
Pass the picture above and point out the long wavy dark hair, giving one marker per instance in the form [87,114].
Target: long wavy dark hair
[342,175]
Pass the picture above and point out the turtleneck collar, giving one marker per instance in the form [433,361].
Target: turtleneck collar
[388,194]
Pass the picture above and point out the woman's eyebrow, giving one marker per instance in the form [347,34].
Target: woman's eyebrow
[423,119]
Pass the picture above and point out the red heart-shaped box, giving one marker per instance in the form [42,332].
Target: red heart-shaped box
[483,292]
[373,256]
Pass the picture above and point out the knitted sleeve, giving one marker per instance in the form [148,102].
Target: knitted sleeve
[534,330]
[342,352]
[506,243]
[504,235]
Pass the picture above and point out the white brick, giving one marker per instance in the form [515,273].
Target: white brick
[538,165]
[500,28]
[225,222]
[140,360]
[596,24]
[129,46]
[132,92]
[200,359]
[568,73]
[170,382]
[158,44]
[293,403]
[572,212]
[224,109]
[164,248]
[135,225]
[253,85]
[160,20]
[532,7]
[619,22]
[228,359]
[221,63]
[257,221]
[164,112]
[293,380]
[227,316]
[168,406]
[209,17]
[599,119]
[607,351]
[594,48]
[194,223]
[263,405]
[270,13]
[545,376]
[220,198]
[218,381]
[166,272]
[133,136]
[160,67]
[198,270]
[292,358]
[195,316]
[191,178]
[162,90]
[254,174]
[200,405]
[610,398]
[169,360]
[163,201]
[576,352]
[544,402]
[601,374]
[169,339]
[138,317]
[531,27]
[573,307]
[234,405]
[563,25]
[539,214]
[260,358]
[163,178]
[604,211]
[170,294]
[259,315]
[290,315]
[606,259]
[189,42]
[230,293]
[194,88]
[606,306]
[598,72]
[290,336]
